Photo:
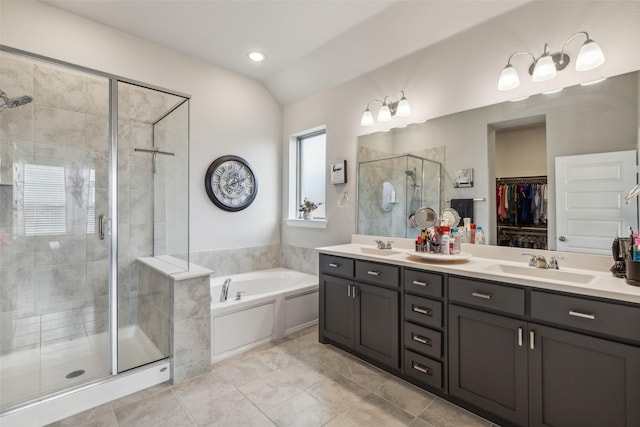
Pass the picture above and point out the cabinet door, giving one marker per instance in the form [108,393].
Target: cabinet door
[577,380]
[336,310]
[377,324]
[488,362]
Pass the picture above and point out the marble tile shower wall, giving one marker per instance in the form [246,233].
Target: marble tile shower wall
[53,284]
[243,260]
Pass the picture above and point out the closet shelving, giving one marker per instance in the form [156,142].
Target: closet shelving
[516,229]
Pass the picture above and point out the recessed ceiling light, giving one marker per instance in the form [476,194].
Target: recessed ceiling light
[549,92]
[256,56]
[519,99]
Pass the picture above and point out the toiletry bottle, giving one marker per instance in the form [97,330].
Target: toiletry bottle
[437,239]
[419,244]
[455,244]
[636,250]
[445,249]
[479,237]
[472,233]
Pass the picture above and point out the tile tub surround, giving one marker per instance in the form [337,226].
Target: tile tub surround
[176,315]
[295,381]
[225,262]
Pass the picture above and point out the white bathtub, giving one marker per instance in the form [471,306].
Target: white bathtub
[274,303]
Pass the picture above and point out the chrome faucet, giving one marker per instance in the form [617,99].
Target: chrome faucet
[225,290]
[383,245]
[538,261]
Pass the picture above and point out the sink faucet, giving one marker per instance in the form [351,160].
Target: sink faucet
[383,245]
[538,261]
[225,290]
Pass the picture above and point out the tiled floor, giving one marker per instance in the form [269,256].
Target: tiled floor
[294,382]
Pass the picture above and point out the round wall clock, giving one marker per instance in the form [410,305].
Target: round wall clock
[230,183]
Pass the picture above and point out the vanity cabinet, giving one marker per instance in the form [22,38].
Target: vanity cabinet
[424,333]
[509,363]
[361,313]
[487,352]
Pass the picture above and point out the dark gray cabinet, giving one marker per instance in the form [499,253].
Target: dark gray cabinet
[537,375]
[488,362]
[424,329]
[578,380]
[363,317]
[337,317]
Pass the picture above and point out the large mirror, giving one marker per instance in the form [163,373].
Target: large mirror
[523,139]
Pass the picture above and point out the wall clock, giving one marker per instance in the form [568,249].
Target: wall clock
[230,183]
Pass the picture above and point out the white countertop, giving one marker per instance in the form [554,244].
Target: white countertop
[482,265]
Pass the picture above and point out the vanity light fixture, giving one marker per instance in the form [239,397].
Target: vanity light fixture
[545,67]
[388,109]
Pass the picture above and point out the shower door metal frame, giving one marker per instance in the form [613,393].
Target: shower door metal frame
[113,189]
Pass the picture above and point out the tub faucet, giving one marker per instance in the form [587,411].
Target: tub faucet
[225,290]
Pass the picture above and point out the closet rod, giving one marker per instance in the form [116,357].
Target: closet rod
[481,199]
[523,179]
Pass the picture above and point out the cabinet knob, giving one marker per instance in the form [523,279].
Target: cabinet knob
[562,238]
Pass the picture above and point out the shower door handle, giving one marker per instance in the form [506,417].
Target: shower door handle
[101,226]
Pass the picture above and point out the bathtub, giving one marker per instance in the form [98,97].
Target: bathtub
[273,304]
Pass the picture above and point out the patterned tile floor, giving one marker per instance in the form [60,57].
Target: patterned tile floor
[293,382]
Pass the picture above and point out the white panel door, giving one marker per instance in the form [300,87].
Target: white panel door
[590,208]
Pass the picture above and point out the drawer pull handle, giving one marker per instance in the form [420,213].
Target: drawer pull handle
[349,291]
[373,273]
[415,282]
[418,367]
[420,339]
[583,315]
[333,265]
[480,295]
[421,310]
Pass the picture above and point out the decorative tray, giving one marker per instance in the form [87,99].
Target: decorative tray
[440,257]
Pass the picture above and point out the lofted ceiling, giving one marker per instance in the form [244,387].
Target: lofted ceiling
[311,45]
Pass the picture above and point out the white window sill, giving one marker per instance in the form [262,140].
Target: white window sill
[306,223]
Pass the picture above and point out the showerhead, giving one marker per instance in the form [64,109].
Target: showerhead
[14,102]
[411,174]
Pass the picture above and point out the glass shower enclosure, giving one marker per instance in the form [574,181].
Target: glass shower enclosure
[391,189]
[93,176]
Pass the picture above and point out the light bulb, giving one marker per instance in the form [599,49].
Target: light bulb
[404,109]
[544,70]
[367,118]
[508,78]
[590,56]
[384,115]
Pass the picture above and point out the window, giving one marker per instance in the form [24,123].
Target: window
[45,200]
[311,169]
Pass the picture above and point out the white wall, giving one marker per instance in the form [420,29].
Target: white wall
[229,113]
[457,74]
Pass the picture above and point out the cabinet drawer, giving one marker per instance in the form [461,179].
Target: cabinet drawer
[338,266]
[597,316]
[422,368]
[423,283]
[422,310]
[380,274]
[423,340]
[487,295]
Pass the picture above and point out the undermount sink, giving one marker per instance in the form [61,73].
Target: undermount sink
[542,273]
[376,251]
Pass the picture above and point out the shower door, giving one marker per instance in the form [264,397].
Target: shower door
[54,242]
